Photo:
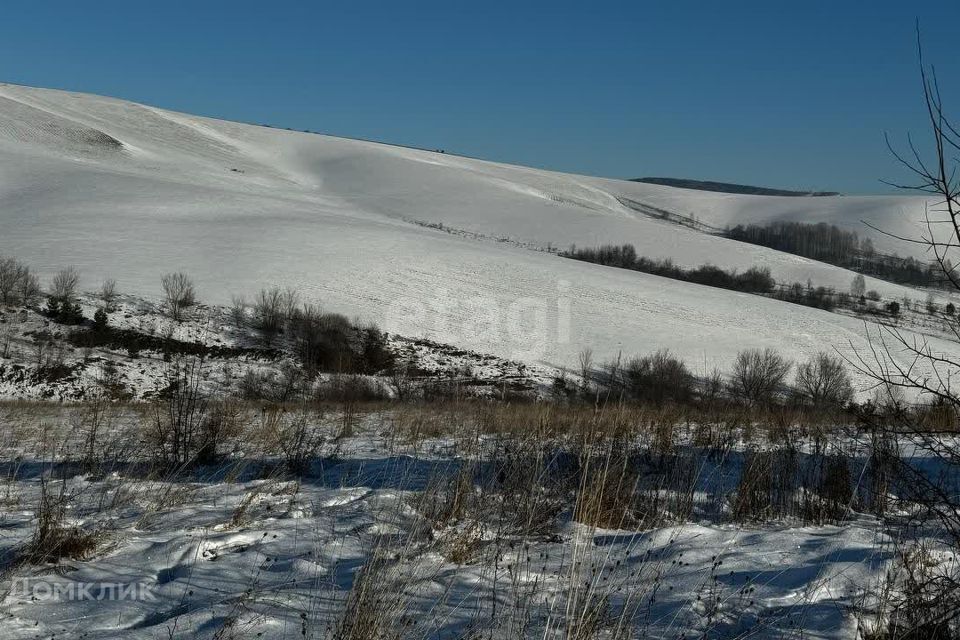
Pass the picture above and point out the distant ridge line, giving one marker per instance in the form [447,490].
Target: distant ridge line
[728,187]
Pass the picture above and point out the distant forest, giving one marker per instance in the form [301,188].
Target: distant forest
[755,280]
[727,187]
[830,244]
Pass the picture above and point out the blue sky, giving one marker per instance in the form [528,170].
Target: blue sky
[793,95]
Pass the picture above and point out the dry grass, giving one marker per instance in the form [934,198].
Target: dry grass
[507,476]
[54,540]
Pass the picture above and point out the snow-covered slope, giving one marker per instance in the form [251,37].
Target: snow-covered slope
[128,191]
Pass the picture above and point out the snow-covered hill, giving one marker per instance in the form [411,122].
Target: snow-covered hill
[128,191]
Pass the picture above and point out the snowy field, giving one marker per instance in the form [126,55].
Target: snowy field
[130,192]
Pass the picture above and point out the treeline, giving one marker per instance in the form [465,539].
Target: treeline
[818,297]
[753,280]
[836,246]
[758,378]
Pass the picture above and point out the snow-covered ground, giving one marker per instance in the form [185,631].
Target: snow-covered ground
[243,549]
[130,192]
[39,358]
[39,361]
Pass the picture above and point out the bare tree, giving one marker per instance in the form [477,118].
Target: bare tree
[269,310]
[758,376]
[238,311]
[291,302]
[108,294]
[41,343]
[858,288]
[585,358]
[925,602]
[9,327]
[28,289]
[10,273]
[17,284]
[63,287]
[181,415]
[823,381]
[179,294]
[399,380]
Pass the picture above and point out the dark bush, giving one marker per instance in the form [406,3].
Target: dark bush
[100,320]
[329,342]
[130,340]
[64,311]
[659,378]
[756,280]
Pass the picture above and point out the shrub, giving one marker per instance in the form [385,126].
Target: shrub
[607,492]
[62,305]
[351,388]
[296,438]
[918,598]
[756,280]
[284,385]
[858,288]
[108,294]
[63,288]
[238,311]
[376,604]
[181,414]
[100,320]
[835,491]
[659,378]
[268,310]
[52,539]
[375,354]
[124,339]
[758,376]
[712,277]
[64,312]
[322,340]
[823,381]
[179,294]
[329,342]
[767,486]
